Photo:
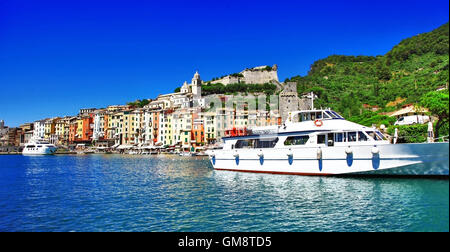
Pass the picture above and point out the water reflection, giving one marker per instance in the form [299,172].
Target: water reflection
[172,193]
[337,204]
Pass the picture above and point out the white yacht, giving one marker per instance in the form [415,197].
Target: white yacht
[38,147]
[321,142]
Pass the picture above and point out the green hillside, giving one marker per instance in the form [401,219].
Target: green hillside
[410,69]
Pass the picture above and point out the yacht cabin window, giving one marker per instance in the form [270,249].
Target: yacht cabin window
[330,139]
[351,137]
[321,139]
[266,143]
[362,137]
[339,137]
[245,144]
[296,140]
[256,143]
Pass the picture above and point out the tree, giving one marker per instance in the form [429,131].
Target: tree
[382,71]
[143,102]
[437,102]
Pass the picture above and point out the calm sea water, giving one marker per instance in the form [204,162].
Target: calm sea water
[171,193]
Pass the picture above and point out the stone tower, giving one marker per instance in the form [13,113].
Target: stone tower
[196,85]
[288,100]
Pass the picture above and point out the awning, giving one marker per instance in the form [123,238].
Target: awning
[409,110]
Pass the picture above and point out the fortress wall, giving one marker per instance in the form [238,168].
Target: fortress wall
[259,77]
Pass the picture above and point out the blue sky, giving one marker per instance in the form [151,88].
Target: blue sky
[59,56]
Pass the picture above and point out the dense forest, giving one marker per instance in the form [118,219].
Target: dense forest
[410,69]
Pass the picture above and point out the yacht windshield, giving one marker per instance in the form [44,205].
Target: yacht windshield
[330,114]
[337,115]
[379,134]
[376,135]
[313,115]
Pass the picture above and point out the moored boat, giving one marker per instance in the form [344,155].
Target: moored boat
[321,142]
[38,147]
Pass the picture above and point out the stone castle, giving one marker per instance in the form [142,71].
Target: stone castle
[256,75]
[288,97]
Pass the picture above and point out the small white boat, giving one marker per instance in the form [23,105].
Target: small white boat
[185,154]
[39,147]
[133,152]
[201,154]
[321,142]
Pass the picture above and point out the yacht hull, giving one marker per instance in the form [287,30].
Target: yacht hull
[422,159]
[40,151]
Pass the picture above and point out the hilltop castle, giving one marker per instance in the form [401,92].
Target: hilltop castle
[256,75]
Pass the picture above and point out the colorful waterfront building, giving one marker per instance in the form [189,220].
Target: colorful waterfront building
[99,125]
[26,132]
[155,126]
[50,130]
[88,128]
[66,132]
[62,131]
[115,122]
[147,127]
[224,121]
[73,130]
[210,127]
[177,127]
[198,131]
[106,118]
[165,134]
[131,127]
[79,128]
[182,127]
[139,126]
[127,129]
[39,129]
